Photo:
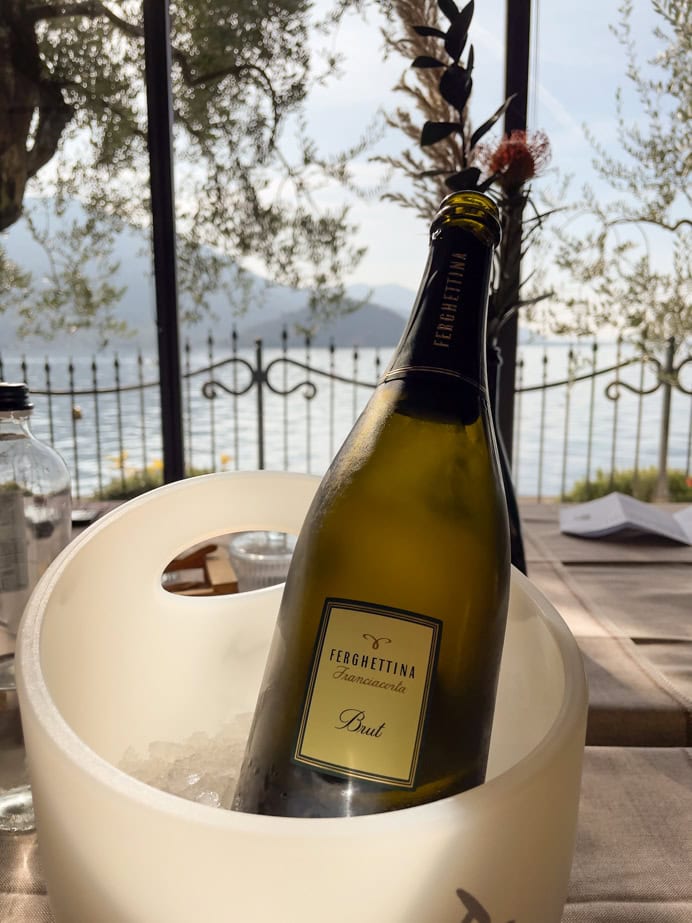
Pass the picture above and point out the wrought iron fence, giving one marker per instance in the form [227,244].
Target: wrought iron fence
[578,408]
[619,424]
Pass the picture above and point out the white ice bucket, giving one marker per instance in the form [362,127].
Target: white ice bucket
[107,659]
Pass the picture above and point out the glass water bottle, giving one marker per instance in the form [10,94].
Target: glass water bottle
[35,525]
[35,507]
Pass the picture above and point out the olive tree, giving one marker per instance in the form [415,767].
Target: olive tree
[73,128]
[625,250]
[624,257]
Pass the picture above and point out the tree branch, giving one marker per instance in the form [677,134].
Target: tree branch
[95,9]
[658,222]
[54,115]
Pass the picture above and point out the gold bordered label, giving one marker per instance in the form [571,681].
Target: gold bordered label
[367,695]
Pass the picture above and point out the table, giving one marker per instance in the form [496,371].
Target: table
[629,605]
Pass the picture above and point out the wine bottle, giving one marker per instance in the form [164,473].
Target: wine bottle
[380,684]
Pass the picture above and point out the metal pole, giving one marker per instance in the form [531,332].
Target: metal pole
[157,57]
[517,53]
[661,490]
[259,381]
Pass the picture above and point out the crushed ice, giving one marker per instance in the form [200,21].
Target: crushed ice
[202,768]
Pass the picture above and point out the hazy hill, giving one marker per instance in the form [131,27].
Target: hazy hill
[378,323]
[371,325]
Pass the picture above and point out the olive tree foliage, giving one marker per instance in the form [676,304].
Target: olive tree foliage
[624,254]
[73,128]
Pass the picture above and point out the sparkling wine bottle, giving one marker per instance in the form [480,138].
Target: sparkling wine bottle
[380,685]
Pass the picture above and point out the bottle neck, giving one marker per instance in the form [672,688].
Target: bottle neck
[15,423]
[445,335]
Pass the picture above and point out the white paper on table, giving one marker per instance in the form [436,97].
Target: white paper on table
[618,512]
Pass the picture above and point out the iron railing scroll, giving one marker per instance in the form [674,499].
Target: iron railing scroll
[259,378]
[668,377]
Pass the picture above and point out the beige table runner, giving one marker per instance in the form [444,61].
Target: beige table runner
[633,858]
[22,892]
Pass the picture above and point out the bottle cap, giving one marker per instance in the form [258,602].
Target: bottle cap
[14,396]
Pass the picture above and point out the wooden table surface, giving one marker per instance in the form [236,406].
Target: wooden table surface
[629,605]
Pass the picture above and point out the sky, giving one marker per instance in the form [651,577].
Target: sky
[577,65]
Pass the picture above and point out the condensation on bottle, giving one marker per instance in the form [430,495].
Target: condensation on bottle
[35,504]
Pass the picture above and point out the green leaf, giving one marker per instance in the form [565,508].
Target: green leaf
[486,126]
[429,31]
[449,8]
[426,61]
[458,32]
[436,131]
[466,179]
[456,86]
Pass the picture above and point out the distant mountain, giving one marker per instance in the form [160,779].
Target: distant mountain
[270,306]
[396,297]
[371,325]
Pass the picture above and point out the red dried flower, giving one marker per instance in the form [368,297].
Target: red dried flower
[517,158]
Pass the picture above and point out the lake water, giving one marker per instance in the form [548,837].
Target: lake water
[560,434]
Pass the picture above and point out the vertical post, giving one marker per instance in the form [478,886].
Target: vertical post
[284,385]
[97,424]
[516,447]
[616,405]
[541,432]
[592,405]
[157,56]
[308,409]
[49,394]
[638,433]
[565,431]
[186,400]
[212,404]
[142,411]
[661,491]
[259,381]
[73,421]
[517,53]
[119,420]
[234,366]
[688,461]
[332,372]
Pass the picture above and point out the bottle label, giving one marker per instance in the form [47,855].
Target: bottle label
[14,565]
[367,695]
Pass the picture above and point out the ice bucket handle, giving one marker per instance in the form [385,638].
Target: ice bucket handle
[110,589]
[166,522]
[133,544]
